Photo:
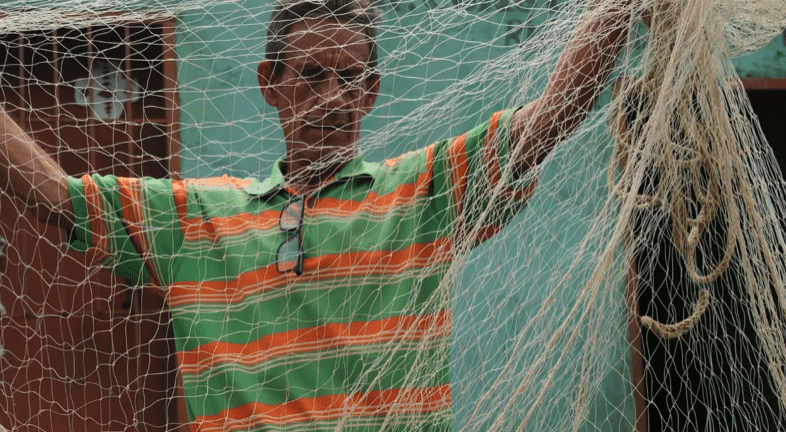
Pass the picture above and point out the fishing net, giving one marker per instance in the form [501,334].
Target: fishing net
[633,282]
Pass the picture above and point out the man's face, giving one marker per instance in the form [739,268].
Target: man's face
[322,91]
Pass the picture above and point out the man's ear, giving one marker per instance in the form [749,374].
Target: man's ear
[372,90]
[267,83]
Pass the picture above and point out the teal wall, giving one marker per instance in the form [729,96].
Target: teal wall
[224,117]
[221,46]
[768,62]
[227,128]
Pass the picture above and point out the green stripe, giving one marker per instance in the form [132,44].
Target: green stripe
[231,256]
[340,371]
[162,229]
[305,305]
[211,201]
[206,201]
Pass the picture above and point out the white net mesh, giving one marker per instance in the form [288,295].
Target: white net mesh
[640,288]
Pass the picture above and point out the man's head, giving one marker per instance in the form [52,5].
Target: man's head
[320,74]
[288,12]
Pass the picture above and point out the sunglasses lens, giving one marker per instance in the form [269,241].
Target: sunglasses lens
[291,215]
[288,256]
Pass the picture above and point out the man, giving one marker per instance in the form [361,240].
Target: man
[312,299]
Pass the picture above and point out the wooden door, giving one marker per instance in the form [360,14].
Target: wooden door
[82,349]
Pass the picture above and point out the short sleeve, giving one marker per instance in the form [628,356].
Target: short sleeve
[129,225]
[473,170]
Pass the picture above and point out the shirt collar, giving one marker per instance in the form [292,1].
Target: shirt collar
[357,170]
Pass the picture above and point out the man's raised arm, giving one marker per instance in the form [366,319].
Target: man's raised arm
[578,79]
[33,176]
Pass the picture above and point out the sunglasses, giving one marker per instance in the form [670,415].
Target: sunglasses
[290,254]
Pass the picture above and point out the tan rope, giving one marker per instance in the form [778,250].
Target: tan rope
[688,162]
[672,331]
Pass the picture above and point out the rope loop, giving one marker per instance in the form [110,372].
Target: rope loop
[673,331]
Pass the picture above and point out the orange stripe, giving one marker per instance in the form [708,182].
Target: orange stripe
[457,160]
[134,217]
[95,213]
[376,403]
[180,197]
[224,180]
[362,263]
[196,229]
[313,339]
[490,155]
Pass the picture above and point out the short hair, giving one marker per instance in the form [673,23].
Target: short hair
[288,12]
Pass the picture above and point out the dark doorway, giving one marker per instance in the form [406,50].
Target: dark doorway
[723,387]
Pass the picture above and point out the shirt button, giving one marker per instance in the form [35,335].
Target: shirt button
[310,202]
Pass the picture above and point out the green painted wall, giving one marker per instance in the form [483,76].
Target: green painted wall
[768,62]
[223,115]
[221,46]
[224,118]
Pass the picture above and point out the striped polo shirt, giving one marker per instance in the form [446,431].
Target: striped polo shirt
[360,340]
